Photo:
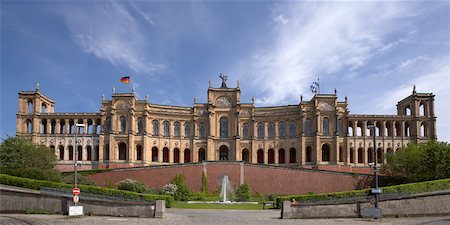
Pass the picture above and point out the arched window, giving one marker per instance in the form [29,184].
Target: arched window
[261,132]
[154,154]
[223,127]
[350,130]
[308,126]
[292,155]
[281,156]
[360,155]
[155,125]
[140,125]
[97,152]
[380,155]
[308,154]
[423,129]
[165,155]
[245,130]
[201,155]
[292,129]
[260,156]
[106,152]
[53,127]
[138,152]
[166,126]
[352,155]
[370,155]
[108,125]
[70,152]
[326,125]
[123,124]
[29,127]
[89,152]
[407,130]
[187,155]
[339,126]
[176,155]
[202,130]
[271,156]
[61,152]
[187,130]
[281,129]
[80,153]
[325,152]
[245,155]
[407,111]
[422,109]
[122,151]
[30,106]
[271,130]
[176,129]
[44,126]
[62,126]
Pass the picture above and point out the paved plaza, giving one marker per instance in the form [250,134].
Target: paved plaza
[199,217]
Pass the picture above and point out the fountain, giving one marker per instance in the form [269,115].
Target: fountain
[225,189]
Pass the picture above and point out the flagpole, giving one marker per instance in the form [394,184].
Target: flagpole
[318,84]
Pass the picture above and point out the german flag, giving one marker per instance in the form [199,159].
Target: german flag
[125,80]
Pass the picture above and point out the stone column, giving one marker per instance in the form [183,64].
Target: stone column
[276,155]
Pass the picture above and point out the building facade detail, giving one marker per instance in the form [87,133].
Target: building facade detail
[132,132]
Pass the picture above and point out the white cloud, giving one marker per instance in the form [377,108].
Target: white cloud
[321,38]
[109,32]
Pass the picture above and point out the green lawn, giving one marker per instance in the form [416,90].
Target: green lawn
[185,205]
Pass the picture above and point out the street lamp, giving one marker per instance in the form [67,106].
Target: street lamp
[75,158]
[375,191]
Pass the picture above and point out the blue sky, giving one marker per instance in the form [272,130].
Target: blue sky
[373,52]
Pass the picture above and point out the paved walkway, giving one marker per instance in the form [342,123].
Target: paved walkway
[200,217]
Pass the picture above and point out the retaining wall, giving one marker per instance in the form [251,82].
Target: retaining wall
[263,179]
[424,204]
[19,200]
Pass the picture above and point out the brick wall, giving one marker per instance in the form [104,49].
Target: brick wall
[262,179]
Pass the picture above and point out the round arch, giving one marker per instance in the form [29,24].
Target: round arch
[326,152]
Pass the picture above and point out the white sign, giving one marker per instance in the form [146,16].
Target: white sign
[76,210]
[76,199]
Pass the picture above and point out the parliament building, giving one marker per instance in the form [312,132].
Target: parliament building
[131,132]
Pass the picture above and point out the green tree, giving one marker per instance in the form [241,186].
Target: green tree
[204,183]
[419,162]
[183,192]
[19,157]
[243,193]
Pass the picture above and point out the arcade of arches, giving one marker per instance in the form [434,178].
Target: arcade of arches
[129,132]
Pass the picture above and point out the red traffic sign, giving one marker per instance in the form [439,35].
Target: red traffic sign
[76,191]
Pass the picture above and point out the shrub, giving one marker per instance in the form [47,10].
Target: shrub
[37,184]
[131,185]
[170,189]
[243,193]
[412,188]
[183,192]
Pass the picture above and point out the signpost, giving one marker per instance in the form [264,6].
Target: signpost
[76,191]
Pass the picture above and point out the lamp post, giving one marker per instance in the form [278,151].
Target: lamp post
[375,191]
[75,158]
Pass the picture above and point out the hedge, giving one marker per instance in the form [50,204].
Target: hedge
[412,188]
[37,184]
